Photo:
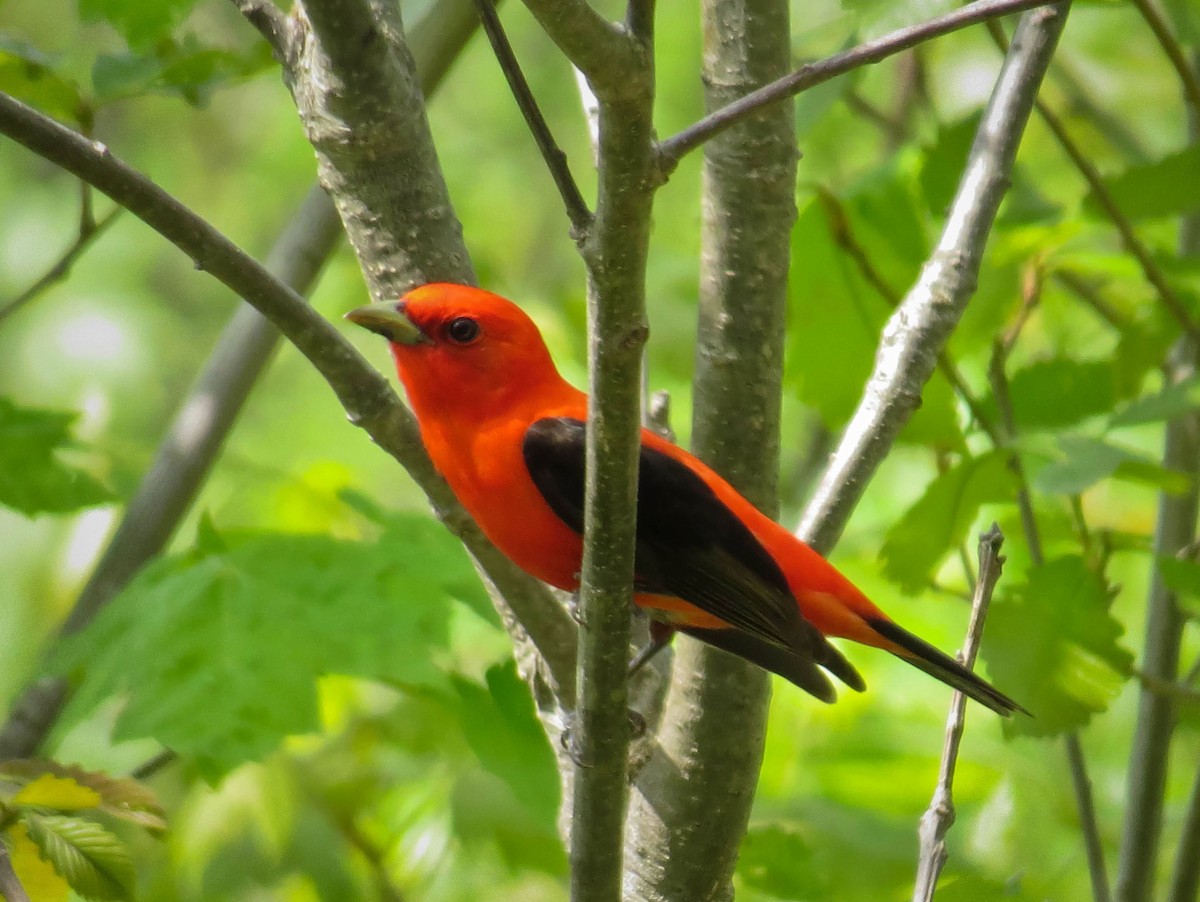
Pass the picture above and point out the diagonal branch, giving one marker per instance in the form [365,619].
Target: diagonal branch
[601,50]
[672,149]
[921,325]
[556,160]
[367,397]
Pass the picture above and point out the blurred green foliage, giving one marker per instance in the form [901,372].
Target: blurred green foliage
[316,649]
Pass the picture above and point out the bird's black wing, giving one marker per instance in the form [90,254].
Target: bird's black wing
[691,546]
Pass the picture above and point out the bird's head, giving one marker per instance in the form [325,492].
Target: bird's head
[454,344]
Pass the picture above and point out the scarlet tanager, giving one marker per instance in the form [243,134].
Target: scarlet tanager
[507,432]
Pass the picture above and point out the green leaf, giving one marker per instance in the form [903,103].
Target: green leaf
[1081,462]
[91,859]
[1185,18]
[32,77]
[1057,392]
[1183,578]
[141,22]
[939,521]
[778,861]
[217,651]
[120,797]
[840,310]
[1174,400]
[1166,187]
[502,728]
[1053,645]
[33,478]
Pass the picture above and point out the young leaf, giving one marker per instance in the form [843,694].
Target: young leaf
[1052,644]
[32,78]
[120,797]
[93,861]
[37,875]
[1174,400]
[939,521]
[141,22]
[62,793]
[1082,462]
[33,479]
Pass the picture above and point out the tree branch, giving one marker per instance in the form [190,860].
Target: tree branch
[614,250]
[920,327]
[1146,781]
[939,817]
[1129,238]
[1189,79]
[714,725]
[89,231]
[556,160]
[808,76]
[598,48]
[10,883]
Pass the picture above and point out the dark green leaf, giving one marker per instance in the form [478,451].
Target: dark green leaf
[1166,187]
[942,162]
[939,521]
[87,856]
[141,22]
[1052,644]
[33,478]
[1183,578]
[1185,18]
[217,651]
[187,68]
[1058,392]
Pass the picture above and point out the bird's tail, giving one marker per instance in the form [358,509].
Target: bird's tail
[942,667]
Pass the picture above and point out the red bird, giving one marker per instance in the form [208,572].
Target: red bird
[507,432]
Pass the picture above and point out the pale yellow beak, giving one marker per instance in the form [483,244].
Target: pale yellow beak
[388,319]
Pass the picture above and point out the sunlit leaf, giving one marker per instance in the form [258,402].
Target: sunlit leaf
[63,793]
[1052,644]
[938,522]
[120,797]
[37,875]
[93,861]
[33,477]
[217,653]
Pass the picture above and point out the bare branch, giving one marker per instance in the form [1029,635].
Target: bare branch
[89,231]
[615,251]
[920,327]
[674,148]
[272,23]
[601,50]
[1089,824]
[1188,76]
[713,729]
[939,817]
[556,160]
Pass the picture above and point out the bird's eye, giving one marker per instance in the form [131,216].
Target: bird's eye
[462,330]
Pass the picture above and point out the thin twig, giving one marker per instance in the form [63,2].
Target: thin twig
[1089,293]
[1129,238]
[1188,76]
[939,817]
[272,23]
[672,149]
[556,159]
[151,766]
[921,325]
[843,234]
[1073,747]
[89,231]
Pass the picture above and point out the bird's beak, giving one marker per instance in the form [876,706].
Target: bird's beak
[387,318]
